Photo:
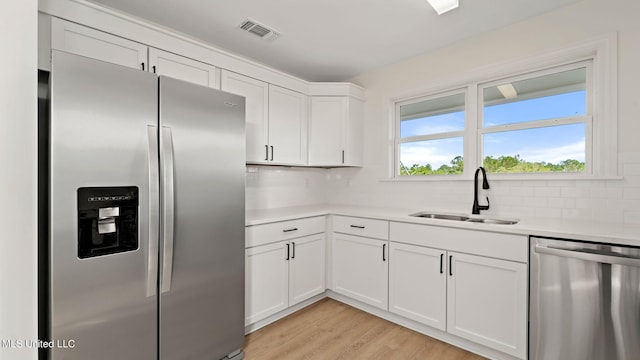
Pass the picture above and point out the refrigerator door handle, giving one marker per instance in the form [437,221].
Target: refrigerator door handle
[154,210]
[166,156]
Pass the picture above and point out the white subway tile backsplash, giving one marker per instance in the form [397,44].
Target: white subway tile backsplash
[574,192]
[548,192]
[606,193]
[631,169]
[535,202]
[561,203]
[545,213]
[612,201]
[631,193]
[632,217]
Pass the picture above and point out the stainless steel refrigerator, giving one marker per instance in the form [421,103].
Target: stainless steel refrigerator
[146,216]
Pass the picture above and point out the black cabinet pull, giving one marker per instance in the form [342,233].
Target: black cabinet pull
[343,156]
[357,226]
[450,267]
[287,252]
[383,255]
[266,153]
[441,263]
[290,230]
[142,66]
[293,250]
[271,152]
[154,69]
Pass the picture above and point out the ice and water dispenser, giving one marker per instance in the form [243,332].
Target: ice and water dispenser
[107,220]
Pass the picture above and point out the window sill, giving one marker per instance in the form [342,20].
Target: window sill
[503,177]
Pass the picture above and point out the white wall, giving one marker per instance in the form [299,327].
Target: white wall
[18,141]
[614,201]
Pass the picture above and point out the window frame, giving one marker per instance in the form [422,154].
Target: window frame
[587,118]
[601,139]
[398,140]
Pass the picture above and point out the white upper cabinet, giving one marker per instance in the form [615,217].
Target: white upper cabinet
[256,95]
[287,126]
[335,131]
[180,67]
[276,120]
[84,41]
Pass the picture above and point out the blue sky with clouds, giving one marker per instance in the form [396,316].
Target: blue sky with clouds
[551,144]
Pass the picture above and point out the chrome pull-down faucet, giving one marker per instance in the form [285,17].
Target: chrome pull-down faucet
[485,185]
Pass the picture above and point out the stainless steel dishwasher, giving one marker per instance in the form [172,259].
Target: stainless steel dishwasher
[584,302]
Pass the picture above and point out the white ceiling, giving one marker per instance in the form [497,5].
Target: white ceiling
[332,40]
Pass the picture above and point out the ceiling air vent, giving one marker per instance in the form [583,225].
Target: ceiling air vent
[258,29]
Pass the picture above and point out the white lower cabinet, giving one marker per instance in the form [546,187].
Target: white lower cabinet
[266,281]
[307,268]
[360,268]
[487,302]
[475,297]
[282,274]
[435,279]
[418,284]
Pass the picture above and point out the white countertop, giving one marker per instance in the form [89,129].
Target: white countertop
[577,230]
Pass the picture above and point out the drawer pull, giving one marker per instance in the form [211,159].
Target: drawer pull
[290,230]
[357,226]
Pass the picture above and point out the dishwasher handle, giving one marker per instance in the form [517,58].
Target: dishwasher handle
[589,256]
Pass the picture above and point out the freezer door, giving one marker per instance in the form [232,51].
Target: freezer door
[202,160]
[103,211]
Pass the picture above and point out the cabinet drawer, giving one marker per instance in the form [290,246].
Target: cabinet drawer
[283,230]
[378,229]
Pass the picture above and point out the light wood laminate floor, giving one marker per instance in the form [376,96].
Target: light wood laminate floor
[330,330]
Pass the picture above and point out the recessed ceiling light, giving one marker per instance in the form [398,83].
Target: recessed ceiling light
[508,91]
[442,6]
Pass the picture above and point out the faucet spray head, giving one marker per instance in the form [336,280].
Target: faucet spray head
[485,182]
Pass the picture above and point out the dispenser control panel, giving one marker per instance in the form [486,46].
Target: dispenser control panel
[107,220]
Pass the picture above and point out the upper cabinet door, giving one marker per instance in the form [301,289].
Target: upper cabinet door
[256,95]
[353,133]
[84,41]
[182,68]
[326,133]
[287,126]
[335,136]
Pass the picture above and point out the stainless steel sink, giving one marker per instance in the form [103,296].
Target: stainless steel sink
[493,221]
[431,215]
[441,216]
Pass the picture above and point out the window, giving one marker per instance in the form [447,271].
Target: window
[431,133]
[549,116]
[537,122]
